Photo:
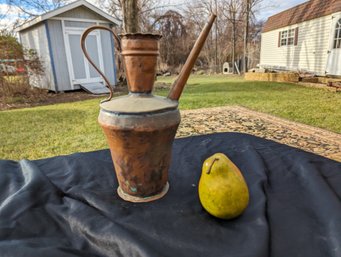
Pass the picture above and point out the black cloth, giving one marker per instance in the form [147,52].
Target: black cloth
[68,205]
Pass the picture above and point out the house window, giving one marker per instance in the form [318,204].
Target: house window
[337,41]
[287,37]
[284,38]
[291,36]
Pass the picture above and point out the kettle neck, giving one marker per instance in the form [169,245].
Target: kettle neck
[140,53]
[181,81]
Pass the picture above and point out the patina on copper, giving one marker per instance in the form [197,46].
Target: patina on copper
[141,149]
[140,127]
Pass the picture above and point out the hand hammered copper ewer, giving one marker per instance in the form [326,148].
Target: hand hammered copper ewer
[140,127]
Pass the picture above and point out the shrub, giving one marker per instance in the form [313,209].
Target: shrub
[15,61]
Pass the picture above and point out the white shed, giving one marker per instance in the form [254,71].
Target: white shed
[306,37]
[56,38]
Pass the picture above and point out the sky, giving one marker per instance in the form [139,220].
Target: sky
[267,8]
[271,7]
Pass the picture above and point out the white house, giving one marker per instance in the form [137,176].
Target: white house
[306,37]
[56,38]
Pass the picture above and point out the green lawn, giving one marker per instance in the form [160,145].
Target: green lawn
[72,127]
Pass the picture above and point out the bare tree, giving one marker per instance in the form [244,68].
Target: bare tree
[233,13]
[231,38]
[130,11]
[247,8]
[29,9]
[249,13]
[142,12]
[227,39]
[196,15]
[174,45]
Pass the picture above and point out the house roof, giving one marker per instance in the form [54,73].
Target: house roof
[66,8]
[307,11]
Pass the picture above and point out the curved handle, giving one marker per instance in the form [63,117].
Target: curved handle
[118,45]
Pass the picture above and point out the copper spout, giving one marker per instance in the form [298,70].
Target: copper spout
[180,82]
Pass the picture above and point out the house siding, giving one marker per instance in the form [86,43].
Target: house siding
[58,51]
[108,55]
[81,12]
[310,53]
[35,38]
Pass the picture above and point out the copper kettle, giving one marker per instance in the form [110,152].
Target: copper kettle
[140,127]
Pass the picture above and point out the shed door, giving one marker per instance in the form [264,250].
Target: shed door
[81,69]
[334,56]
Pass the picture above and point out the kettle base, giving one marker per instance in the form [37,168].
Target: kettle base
[136,199]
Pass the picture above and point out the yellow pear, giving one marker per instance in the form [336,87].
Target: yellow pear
[223,191]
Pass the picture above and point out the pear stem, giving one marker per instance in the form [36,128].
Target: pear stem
[209,169]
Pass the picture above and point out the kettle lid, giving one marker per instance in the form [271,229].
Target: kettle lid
[139,103]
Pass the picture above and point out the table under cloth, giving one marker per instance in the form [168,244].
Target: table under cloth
[68,205]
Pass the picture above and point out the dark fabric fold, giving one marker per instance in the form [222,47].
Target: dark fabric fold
[68,205]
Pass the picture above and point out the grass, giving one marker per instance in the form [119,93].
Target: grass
[46,131]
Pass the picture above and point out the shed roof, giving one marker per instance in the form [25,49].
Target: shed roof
[66,8]
[307,11]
